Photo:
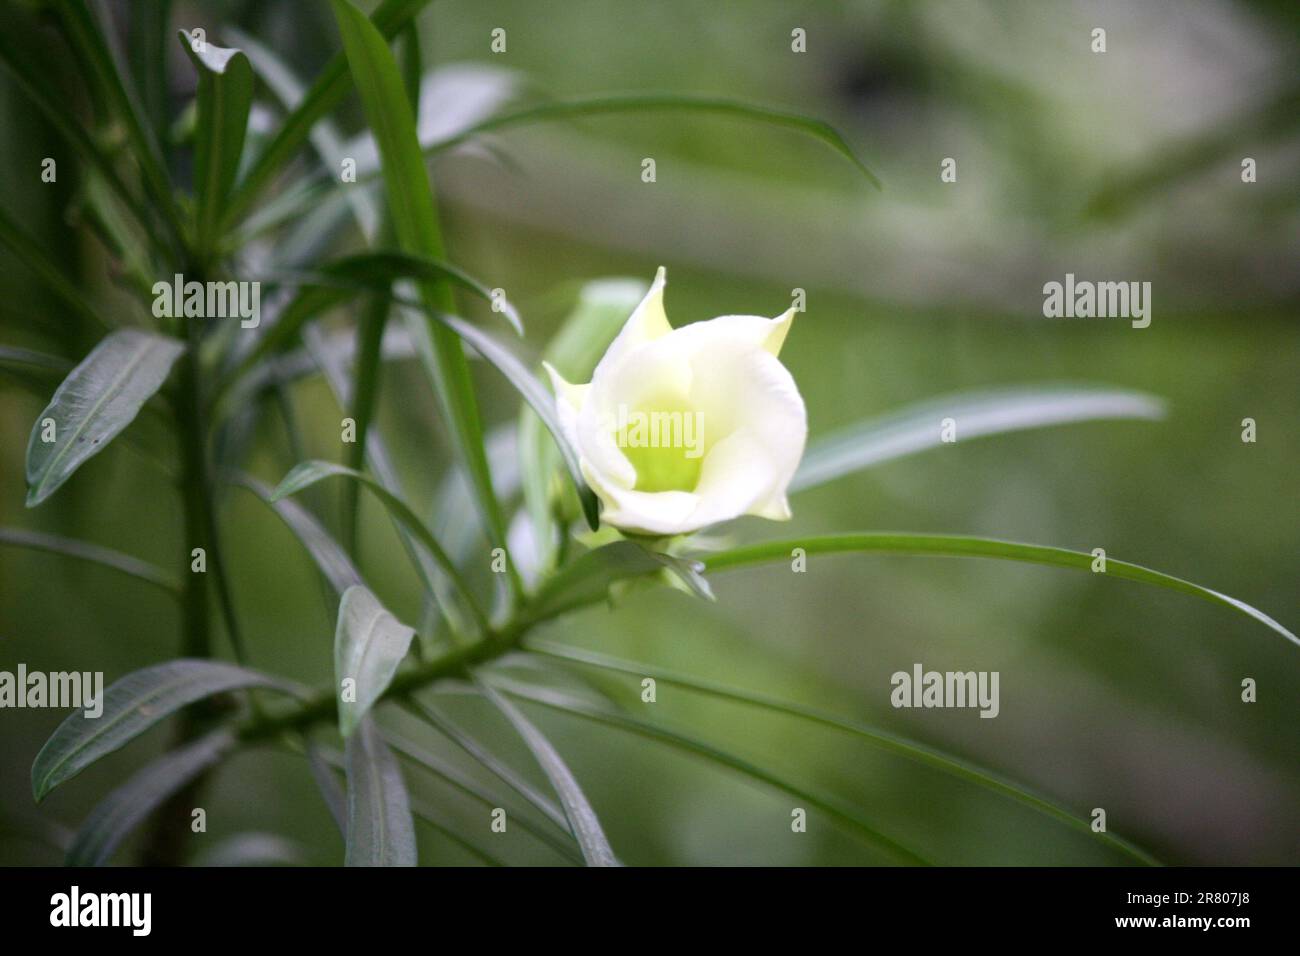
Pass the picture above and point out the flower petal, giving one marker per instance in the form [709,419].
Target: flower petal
[647,323]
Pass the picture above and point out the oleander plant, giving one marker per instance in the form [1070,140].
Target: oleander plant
[409,528]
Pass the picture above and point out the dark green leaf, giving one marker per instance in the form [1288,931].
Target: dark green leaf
[90,41]
[325,94]
[224,97]
[36,259]
[98,399]
[415,223]
[35,86]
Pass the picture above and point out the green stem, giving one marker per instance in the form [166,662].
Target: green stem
[324,705]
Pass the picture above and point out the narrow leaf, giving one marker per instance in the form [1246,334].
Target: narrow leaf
[827,803]
[85,551]
[970,547]
[582,818]
[489,761]
[911,749]
[328,784]
[531,390]
[332,560]
[309,473]
[253,849]
[379,269]
[98,399]
[35,258]
[34,84]
[380,829]
[129,805]
[662,102]
[90,41]
[224,98]
[919,427]
[324,96]
[415,222]
[588,578]
[130,707]
[369,644]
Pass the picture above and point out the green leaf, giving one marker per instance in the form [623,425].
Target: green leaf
[130,707]
[488,760]
[827,803]
[365,397]
[35,86]
[661,102]
[437,583]
[324,96]
[253,849]
[309,473]
[529,388]
[377,270]
[224,97]
[415,223]
[970,547]
[331,792]
[419,810]
[332,560]
[588,578]
[125,808]
[309,302]
[467,784]
[369,644]
[918,427]
[85,551]
[147,41]
[35,258]
[90,42]
[380,829]
[912,750]
[98,399]
[37,362]
[582,818]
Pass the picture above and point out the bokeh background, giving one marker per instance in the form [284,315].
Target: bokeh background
[1123,166]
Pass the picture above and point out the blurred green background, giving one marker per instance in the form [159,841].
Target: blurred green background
[1121,166]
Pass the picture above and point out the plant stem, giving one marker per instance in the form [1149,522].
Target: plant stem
[324,705]
[165,843]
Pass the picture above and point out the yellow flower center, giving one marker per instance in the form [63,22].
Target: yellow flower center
[664,442]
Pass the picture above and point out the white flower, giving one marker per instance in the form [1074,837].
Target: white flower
[683,428]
